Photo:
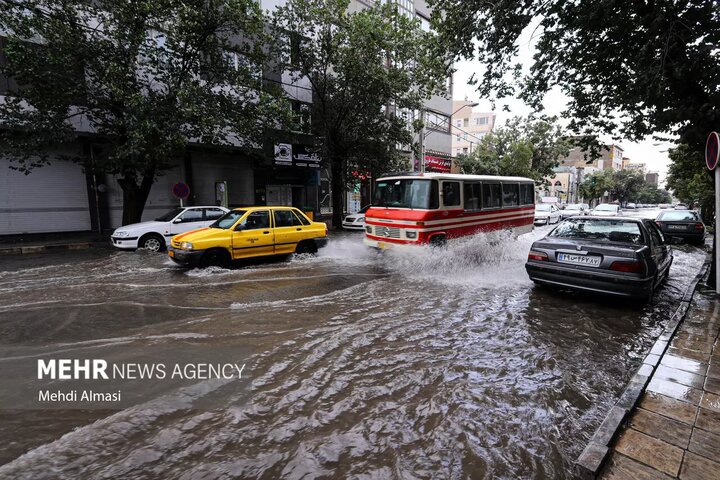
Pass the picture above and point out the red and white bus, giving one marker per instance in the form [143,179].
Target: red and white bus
[422,208]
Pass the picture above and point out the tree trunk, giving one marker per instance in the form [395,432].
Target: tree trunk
[337,172]
[135,195]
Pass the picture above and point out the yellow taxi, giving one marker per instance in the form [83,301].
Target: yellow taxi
[246,233]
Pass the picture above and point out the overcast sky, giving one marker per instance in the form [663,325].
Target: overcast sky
[654,156]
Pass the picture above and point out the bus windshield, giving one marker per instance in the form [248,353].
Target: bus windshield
[406,193]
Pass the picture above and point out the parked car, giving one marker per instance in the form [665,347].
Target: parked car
[620,256]
[571,210]
[684,224]
[665,205]
[356,221]
[630,206]
[546,213]
[681,206]
[155,235]
[249,232]
[606,210]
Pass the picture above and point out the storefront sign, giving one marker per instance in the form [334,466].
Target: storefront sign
[434,163]
[297,155]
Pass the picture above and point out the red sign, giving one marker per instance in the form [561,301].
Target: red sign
[181,190]
[712,150]
[437,164]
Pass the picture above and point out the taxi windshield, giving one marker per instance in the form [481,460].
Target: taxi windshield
[228,220]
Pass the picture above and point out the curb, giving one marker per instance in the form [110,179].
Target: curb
[45,248]
[593,457]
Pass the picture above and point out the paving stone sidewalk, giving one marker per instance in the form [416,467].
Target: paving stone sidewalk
[674,432]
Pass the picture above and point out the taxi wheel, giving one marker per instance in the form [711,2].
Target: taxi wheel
[152,242]
[215,258]
[306,247]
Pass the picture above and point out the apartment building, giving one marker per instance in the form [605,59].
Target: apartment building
[611,158]
[469,126]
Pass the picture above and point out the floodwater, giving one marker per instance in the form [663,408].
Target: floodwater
[427,364]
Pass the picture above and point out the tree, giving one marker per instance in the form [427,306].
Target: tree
[627,184]
[527,147]
[630,68]
[366,69]
[141,78]
[596,184]
[652,194]
[689,183]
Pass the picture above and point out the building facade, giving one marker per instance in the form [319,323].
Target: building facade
[469,127]
[611,158]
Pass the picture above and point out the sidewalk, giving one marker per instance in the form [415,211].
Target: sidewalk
[674,431]
[39,243]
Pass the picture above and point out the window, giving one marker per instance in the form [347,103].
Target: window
[491,196]
[472,196]
[406,194]
[213,213]
[466,122]
[302,113]
[481,121]
[424,23]
[451,194]
[257,220]
[465,150]
[458,123]
[527,196]
[305,221]
[437,121]
[229,219]
[285,218]
[511,194]
[193,215]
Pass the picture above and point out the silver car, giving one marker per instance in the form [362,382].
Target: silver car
[612,255]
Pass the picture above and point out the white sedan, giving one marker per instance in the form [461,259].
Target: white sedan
[606,210]
[546,213]
[155,235]
[355,221]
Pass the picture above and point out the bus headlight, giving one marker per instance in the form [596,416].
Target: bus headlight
[186,245]
[411,235]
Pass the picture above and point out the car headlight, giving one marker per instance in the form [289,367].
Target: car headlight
[411,234]
[120,233]
[186,246]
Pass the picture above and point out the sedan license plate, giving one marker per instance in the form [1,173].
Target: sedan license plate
[677,227]
[576,259]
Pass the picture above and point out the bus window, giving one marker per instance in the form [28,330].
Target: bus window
[451,194]
[511,195]
[527,196]
[472,196]
[491,197]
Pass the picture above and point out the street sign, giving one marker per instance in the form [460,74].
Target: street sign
[181,190]
[712,150]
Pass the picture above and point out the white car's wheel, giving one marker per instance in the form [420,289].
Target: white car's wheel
[152,242]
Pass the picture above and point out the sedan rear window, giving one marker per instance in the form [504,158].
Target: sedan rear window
[679,216]
[601,230]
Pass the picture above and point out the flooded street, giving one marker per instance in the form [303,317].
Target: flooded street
[425,364]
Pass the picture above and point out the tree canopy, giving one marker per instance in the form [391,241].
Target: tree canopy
[369,71]
[690,184]
[139,79]
[524,147]
[622,185]
[630,68]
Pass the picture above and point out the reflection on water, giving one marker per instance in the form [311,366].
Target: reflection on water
[425,364]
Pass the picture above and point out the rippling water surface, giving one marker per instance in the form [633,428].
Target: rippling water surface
[425,364]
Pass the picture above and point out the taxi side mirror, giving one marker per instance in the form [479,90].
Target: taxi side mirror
[240,227]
